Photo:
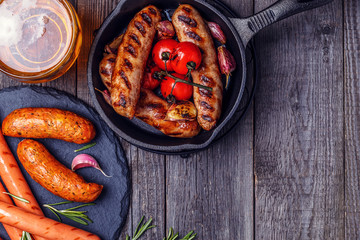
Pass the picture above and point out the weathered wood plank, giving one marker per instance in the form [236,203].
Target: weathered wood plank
[211,192]
[299,147]
[351,116]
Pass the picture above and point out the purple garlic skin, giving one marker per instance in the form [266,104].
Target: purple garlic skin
[227,63]
[165,30]
[216,32]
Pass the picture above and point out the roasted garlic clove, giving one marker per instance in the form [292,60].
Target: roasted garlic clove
[217,32]
[181,110]
[226,62]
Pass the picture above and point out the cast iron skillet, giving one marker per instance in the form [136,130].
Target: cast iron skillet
[238,33]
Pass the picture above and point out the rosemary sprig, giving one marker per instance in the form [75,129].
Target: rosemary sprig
[77,216]
[191,235]
[25,236]
[85,147]
[146,226]
[140,230]
[17,197]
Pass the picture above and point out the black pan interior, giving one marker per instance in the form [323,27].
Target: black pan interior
[135,131]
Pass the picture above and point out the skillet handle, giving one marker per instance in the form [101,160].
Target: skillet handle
[248,27]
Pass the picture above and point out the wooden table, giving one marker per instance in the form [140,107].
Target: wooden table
[290,169]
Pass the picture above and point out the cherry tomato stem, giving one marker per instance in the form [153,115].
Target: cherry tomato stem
[184,81]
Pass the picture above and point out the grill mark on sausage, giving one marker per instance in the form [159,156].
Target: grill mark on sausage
[205,93]
[105,71]
[154,105]
[121,102]
[126,80]
[186,9]
[135,38]
[205,79]
[187,20]
[130,49]
[193,36]
[152,11]
[140,27]
[206,105]
[146,18]
[207,118]
[128,64]
[112,60]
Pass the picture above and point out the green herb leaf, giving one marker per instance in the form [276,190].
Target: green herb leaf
[191,235]
[141,229]
[77,216]
[85,147]
[16,197]
[25,236]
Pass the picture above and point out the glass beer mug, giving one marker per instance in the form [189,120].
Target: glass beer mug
[39,39]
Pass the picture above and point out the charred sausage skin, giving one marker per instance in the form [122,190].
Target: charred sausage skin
[48,123]
[54,176]
[152,110]
[190,27]
[106,68]
[130,62]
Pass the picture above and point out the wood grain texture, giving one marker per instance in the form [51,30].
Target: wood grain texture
[211,192]
[352,119]
[299,147]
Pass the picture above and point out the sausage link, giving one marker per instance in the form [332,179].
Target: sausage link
[131,60]
[48,123]
[54,176]
[152,110]
[190,27]
[14,233]
[41,226]
[15,182]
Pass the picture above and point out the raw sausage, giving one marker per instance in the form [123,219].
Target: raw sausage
[15,181]
[190,27]
[14,233]
[41,226]
[54,176]
[152,110]
[131,60]
[48,123]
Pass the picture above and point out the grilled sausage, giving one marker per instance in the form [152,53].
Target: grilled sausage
[131,60]
[190,26]
[48,123]
[40,225]
[152,110]
[106,68]
[54,176]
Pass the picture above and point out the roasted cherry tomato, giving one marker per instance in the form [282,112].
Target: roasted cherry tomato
[165,45]
[183,54]
[150,81]
[182,91]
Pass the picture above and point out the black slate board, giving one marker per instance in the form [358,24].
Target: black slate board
[109,213]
